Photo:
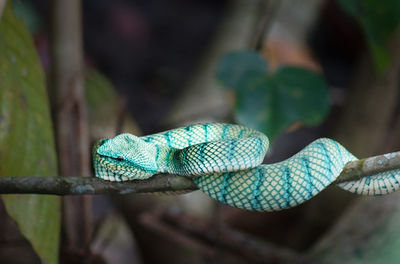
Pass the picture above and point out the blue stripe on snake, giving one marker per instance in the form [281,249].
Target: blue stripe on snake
[224,161]
[309,182]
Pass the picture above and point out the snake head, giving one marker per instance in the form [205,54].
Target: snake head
[129,152]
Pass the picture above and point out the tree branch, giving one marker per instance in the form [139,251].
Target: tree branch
[67,89]
[85,185]
[69,109]
[353,170]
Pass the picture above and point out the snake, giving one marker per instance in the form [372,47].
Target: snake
[225,162]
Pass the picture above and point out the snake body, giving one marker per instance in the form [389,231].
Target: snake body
[224,161]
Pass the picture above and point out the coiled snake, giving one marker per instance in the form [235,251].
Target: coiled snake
[225,163]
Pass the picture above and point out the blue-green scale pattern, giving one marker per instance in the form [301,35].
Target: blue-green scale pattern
[224,161]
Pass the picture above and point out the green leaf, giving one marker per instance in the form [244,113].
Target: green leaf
[272,103]
[379,20]
[26,137]
[253,104]
[304,95]
[103,117]
[97,89]
[238,68]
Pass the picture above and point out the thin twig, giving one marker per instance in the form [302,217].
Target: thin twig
[353,170]
[271,9]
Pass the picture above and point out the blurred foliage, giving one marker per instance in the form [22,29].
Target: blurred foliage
[237,69]
[102,117]
[24,10]
[379,20]
[366,234]
[273,102]
[26,137]
[97,89]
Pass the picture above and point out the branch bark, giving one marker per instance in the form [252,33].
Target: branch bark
[165,183]
[355,170]
[85,185]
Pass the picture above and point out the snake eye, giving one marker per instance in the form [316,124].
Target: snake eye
[120,158]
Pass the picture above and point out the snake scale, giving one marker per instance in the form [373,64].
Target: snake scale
[224,161]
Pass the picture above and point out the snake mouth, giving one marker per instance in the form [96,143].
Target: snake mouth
[119,159]
[117,169]
[108,168]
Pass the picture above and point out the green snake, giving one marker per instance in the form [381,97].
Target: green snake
[224,161]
